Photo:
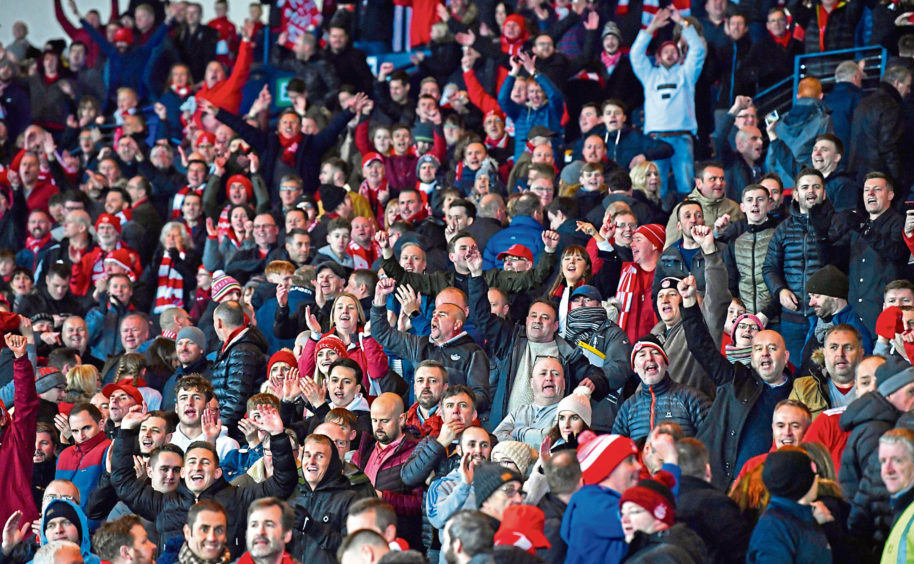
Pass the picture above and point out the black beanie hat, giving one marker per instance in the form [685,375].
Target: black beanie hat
[331,196]
[788,473]
[60,508]
[828,281]
[488,477]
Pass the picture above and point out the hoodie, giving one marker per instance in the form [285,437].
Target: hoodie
[85,541]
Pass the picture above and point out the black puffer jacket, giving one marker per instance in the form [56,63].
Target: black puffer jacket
[320,515]
[428,457]
[676,545]
[238,371]
[793,256]
[664,401]
[169,510]
[716,518]
[866,419]
[877,132]
[871,514]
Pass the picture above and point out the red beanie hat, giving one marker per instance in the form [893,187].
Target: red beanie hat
[243,180]
[599,455]
[890,322]
[110,220]
[653,232]
[124,34]
[332,342]
[655,496]
[282,355]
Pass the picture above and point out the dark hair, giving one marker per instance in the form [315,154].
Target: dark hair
[112,535]
[347,363]
[701,166]
[773,176]
[60,270]
[456,390]
[469,206]
[834,139]
[881,176]
[204,505]
[563,473]
[93,411]
[452,244]
[618,181]
[297,85]
[614,102]
[753,188]
[61,356]
[207,446]
[167,447]
[384,514]
[358,539]
[567,206]
[809,171]
[473,530]
[693,457]
[288,514]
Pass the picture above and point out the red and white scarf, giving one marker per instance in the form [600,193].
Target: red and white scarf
[34,244]
[499,143]
[627,291]
[289,148]
[178,200]
[170,289]
[372,194]
[181,91]
[223,225]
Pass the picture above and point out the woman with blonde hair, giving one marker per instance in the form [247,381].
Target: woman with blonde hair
[646,186]
[82,383]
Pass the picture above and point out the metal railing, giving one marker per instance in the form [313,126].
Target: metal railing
[780,96]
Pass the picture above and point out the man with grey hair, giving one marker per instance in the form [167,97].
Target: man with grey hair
[844,97]
[59,552]
[878,127]
[491,214]
[896,461]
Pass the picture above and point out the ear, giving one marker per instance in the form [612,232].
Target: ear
[218,473]
[287,537]
[187,534]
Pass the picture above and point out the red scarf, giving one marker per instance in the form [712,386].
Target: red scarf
[372,195]
[170,289]
[289,146]
[234,334]
[610,61]
[513,47]
[181,91]
[417,217]
[782,41]
[178,200]
[247,559]
[499,143]
[822,21]
[34,244]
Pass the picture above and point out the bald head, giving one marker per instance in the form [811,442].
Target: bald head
[387,418]
[338,435]
[769,356]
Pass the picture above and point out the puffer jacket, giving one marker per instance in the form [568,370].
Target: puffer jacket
[549,115]
[169,510]
[793,256]
[363,349]
[429,460]
[839,32]
[712,208]
[871,514]
[872,253]
[866,419]
[320,515]
[840,188]
[626,143]
[465,361]
[678,544]
[239,369]
[671,263]
[745,257]
[739,387]
[662,402]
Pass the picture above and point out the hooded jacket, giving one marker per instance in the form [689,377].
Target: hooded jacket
[678,544]
[549,115]
[83,464]
[85,541]
[712,208]
[866,419]
[320,515]
[592,527]
[169,510]
[239,369]
[798,129]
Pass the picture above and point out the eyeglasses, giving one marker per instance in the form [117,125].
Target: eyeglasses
[512,491]
[628,225]
[265,226]
[292,188]
[52,497]
[745,326]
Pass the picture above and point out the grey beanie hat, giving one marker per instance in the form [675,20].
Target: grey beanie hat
[893,374]
[195,334]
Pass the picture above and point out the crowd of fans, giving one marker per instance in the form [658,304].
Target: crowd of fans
[550,292]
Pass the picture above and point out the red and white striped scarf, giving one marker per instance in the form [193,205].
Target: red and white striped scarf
[372,194]
[651,7]
[178,200]
[223,225]
[627,290]
[170,289]
[124,215]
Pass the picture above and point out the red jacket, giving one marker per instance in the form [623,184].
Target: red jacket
[367,353]
[400,170]
[17,444]
[826,430]
[227,94]
[405,500]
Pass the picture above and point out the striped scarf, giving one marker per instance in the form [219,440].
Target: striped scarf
[651,7]
[223,225]
[178,200]
[627,291]
[582,322]
[170,289]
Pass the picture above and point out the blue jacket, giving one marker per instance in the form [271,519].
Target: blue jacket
[806,120]
[548,115]
[85,544]
[523,230]
[592,527]
[847,316]
[787,533]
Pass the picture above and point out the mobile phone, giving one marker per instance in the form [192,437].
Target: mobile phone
[772,117]
[909,206]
